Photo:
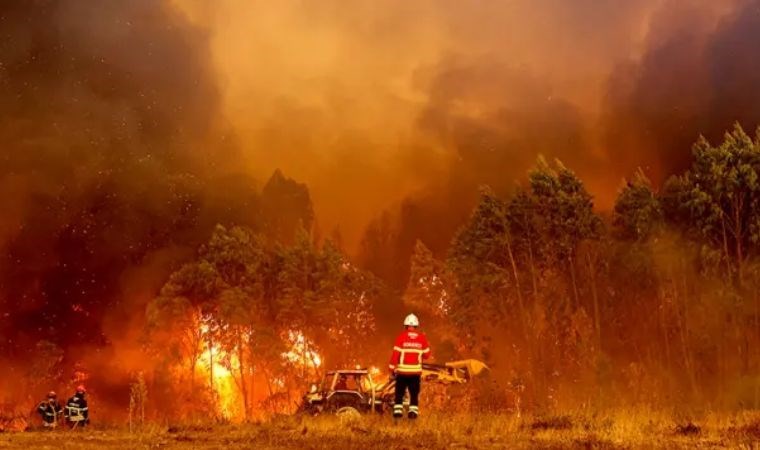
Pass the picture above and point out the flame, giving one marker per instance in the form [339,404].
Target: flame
[218,367]
[435,282]
[302,351]
[210,360]
[222,381]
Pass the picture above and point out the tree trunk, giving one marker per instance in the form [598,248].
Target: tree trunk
[595,297]
[253,381]
[210,343]
[193,366]
[738,232]
[521,303]
[684,333]
[665,331]
[243,377]
[244,391]
[531,260]
[572,277]
[726,252]
[196,343]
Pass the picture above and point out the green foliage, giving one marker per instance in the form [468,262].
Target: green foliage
[237,255]
[477,260]
[429,295]
[718,198]
[427,290]
[300,282]
[196,283]
[637,213]
[516,266]
[524,224]
[540,227]
[563,211]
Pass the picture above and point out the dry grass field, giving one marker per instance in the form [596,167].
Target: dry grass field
[618,430]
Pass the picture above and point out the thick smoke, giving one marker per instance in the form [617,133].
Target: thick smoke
[113,159]
[131,127]
[371,102]
[670,71]
[698,75]
[376,104]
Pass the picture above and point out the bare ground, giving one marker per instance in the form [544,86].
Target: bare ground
[611,431]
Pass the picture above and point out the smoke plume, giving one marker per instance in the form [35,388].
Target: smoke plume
[113,156]
[131,127]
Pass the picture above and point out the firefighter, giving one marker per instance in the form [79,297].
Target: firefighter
[76,411]
[409,350]
[342,384]
[50,410]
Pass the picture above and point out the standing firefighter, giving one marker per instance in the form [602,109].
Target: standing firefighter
[76,411]
[410,348]
[50,410]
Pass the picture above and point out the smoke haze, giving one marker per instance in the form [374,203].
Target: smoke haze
[130,128]
[370,103]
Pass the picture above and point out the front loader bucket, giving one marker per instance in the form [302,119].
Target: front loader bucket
[472,367]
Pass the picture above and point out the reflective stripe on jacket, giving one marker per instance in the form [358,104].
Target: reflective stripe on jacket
[76,409]
[49,411]
[409,350]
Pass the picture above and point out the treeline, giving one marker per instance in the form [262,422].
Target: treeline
[658,305]
[654,304]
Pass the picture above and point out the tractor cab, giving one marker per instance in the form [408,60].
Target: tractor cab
[352,388]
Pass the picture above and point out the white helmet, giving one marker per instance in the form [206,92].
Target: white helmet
[411,321]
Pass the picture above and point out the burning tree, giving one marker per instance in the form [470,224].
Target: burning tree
[249,310]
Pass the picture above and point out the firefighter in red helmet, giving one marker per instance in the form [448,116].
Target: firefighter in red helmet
[76,412]
[50,410]
[409,350]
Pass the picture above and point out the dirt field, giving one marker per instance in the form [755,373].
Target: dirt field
[621,430]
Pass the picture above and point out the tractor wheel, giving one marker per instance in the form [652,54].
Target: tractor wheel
[348,414]
[342,399]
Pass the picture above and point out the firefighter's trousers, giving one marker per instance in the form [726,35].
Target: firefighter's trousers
[412,384]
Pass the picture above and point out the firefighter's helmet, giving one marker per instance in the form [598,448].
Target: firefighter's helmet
[411,321]
[52,395]
[81,389]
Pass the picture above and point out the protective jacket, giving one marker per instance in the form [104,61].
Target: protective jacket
[409,350]
[77,411]
[49,411]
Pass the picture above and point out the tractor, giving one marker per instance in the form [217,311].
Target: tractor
[354,391]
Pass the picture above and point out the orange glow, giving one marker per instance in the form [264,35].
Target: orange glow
[223,383]
[219,369]
[302,352]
